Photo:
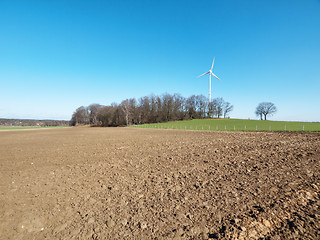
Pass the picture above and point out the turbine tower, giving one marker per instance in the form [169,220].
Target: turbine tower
[210,73]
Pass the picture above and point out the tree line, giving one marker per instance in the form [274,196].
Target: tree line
[151,109]
[32,122]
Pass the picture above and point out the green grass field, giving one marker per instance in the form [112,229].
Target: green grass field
[24,127]
[237,125]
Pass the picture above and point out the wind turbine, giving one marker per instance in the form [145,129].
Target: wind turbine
[210,73]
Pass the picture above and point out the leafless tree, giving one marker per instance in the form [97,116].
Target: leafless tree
[144,110]
[258,111]
[152,109]
[265,109]
[133,111]
[227,108]
[105,116]
[178,107]
[217,107]
[118,118]
[202,105]
[80,116]
[158,108]
[125,107]
[167,107]
[191,107]
[93,113]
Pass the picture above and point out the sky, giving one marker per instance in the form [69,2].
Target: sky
[58,55]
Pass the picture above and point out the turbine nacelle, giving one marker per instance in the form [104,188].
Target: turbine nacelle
[210,72]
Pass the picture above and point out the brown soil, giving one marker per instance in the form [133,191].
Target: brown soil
[120,183]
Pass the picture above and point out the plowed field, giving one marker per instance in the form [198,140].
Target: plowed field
[124,183]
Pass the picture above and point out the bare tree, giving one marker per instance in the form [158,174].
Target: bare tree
[178,107]
[93,112]
[265,109]
[153,109]
[167,107]
[80,116]
[118,118]
[105,116]
[144,110]
[259,110]
[217,107]
[201,106]
[158,108]
[133,111]
[227,108]
[191,106]
[125,107]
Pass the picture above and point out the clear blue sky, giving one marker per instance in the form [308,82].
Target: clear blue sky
[58,55]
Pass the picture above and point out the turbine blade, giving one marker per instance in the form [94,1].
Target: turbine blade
[212,64]
[215,76]
[204,74]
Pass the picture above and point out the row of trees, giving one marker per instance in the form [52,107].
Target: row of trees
[151,109]
[32,122]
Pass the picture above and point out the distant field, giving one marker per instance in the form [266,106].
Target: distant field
[24,127]
[237,125]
